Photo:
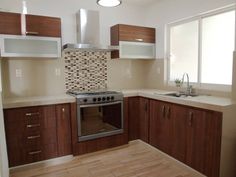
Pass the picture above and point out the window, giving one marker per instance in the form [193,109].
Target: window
[203,47]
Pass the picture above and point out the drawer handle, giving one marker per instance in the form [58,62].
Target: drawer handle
[33,137]
[33,125]
[140,40]
[32,113]
[31,32]
[34,152]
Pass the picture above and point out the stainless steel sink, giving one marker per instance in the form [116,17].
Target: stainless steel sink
[182,95]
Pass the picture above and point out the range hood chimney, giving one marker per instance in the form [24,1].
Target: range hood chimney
[88,33]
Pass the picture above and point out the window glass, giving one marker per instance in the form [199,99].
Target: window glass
[213,37]
[217,48]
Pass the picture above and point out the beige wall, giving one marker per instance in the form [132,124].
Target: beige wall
[39,78]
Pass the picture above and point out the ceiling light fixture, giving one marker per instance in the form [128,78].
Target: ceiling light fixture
[109,3]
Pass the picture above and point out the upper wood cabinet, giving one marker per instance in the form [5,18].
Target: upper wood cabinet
[43,26]
[134,41]
[131,33]
[10,23]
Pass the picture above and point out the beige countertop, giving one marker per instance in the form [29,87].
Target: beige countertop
[201,101]
[37,101]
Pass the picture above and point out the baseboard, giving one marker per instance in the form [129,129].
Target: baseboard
[54,161]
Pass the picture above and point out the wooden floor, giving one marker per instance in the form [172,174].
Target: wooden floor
[134,160]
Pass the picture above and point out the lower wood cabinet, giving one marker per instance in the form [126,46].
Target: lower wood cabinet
[37,133]
[138,113]
[191,135]
[161,126]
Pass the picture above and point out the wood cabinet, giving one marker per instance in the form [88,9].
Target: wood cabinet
[63,129]
[191,135]
[134,118]
[144,119]
[196,138]
[10,23]
[161,125]
[121,32]
[37,133]
[135,42]
[43,26]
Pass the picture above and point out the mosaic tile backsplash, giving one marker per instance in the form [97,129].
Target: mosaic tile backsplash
[86,70]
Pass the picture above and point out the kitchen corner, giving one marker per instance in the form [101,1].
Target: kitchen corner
[89,90]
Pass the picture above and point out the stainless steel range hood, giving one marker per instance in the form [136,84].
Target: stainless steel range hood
[88,33]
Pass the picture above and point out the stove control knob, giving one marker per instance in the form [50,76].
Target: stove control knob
[99,99]
[112,98]
[85,100]
[103,98]
[108,98]
[94,99]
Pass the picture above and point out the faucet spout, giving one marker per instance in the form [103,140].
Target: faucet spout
[188,90]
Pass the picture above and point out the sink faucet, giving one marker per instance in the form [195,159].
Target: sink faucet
[188,91]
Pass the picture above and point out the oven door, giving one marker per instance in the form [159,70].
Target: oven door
[100,120]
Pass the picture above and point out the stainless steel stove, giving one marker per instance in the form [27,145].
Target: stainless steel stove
[99,114]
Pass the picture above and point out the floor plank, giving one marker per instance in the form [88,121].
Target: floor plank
[134,160]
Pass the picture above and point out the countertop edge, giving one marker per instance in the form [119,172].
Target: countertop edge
[37,101]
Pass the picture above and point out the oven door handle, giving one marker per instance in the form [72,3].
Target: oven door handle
[100,104]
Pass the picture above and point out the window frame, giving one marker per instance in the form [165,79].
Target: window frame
[199,18]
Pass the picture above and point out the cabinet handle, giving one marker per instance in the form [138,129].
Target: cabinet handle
[35,152]
[140,40]
[33,125]
[146,107]
[63,110]
[33,137]
[168,112]
[163,111]
[32,114]
[190,120]
[31,32]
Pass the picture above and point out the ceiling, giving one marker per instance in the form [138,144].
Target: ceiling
[140,2]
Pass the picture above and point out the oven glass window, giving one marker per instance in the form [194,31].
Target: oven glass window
[100,119]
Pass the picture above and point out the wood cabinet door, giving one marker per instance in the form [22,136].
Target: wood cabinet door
[136,34]
[144,119]
[10,23]
[160,132]
[134,118]
[43,26]
[180,120]
[196,139]
[63,129]
[213,143]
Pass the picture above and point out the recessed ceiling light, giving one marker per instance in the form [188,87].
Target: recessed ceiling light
[109,3]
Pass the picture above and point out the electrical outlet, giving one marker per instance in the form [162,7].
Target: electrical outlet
[18,73]
[57,71]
